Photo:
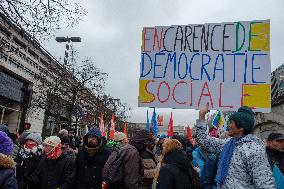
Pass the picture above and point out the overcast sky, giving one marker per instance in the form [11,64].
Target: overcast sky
[111,35]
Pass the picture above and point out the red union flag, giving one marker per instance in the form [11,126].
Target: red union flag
[170,131]
[160,120]
[112,127]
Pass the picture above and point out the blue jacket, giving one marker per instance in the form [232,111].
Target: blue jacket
[198,159]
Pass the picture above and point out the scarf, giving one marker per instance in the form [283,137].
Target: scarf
[55,152]
[34,152]
[92,151]
[224,161]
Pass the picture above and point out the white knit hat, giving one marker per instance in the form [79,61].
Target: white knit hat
[52,141]
[119,136]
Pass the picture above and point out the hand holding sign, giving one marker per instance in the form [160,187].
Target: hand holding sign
[203,112]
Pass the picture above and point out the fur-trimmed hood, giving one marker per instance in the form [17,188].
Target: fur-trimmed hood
[7,162]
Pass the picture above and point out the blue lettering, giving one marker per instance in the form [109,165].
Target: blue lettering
[171,58]
[142,65]
[246,65]
[203,69]
[190,66]
[215,67]
[183,54]
[235,54]
[157,65]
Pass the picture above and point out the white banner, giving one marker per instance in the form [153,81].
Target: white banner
[225,64]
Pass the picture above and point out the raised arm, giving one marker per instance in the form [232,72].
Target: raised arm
[211,144]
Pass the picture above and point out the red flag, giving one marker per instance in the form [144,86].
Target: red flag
[102,124]
[170,132]
[112,128]
[189,134]
[125,132]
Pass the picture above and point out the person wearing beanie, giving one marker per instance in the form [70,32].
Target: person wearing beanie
[28,158]
[91,160]
[242,161]
[55,169]
[119,140]
[120,137]
[7,164]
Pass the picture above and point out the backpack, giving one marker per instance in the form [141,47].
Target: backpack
[113,169]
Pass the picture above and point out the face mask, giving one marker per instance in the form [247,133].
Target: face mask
[30,145]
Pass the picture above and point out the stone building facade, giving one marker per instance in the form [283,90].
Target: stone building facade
[21,59]
[273,121]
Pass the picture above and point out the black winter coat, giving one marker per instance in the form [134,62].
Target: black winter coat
[24,168]
[89,168]
[7,173]
[276,157]
[176,173]
[52,174]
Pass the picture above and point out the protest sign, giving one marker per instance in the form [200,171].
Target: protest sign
[225,64]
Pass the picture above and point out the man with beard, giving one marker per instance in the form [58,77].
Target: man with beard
[90,161]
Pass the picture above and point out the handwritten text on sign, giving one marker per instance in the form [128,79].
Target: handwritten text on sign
[225,64]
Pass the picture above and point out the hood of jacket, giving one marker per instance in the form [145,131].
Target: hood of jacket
[178,158]
[7,162]
[95,132]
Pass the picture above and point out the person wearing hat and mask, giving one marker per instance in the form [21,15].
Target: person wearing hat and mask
[275,150]
[119,140]
[242,161]
[28,158]
[55,169]
[7,164]
[90,161]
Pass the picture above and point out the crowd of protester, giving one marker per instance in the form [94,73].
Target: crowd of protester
[236,160]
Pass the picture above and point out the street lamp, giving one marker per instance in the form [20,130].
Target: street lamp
[68,39]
